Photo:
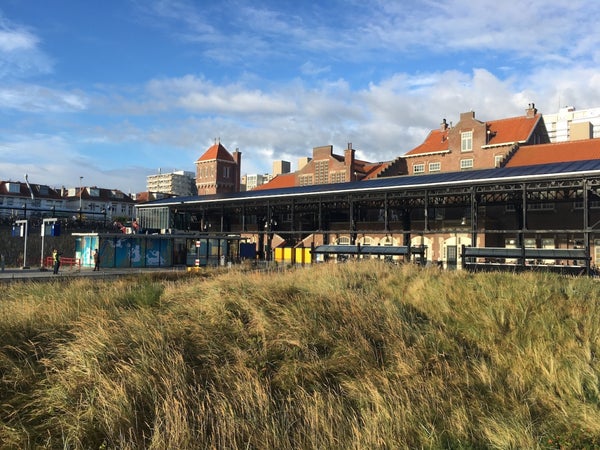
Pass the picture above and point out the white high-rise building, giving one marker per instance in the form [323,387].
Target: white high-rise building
[569,124]
[256,179]
[180,183]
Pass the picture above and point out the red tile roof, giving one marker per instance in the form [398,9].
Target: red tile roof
[436,141]
[502,132]
[558,152]
[217,151]
[511,130]
[373,170]
[39,190]
[284,180]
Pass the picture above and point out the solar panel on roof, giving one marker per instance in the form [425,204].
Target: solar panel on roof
[399,182]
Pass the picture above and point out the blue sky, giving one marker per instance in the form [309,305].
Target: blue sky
[114,90]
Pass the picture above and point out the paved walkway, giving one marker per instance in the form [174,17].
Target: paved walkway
[37,274]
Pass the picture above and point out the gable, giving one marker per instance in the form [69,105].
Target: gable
[216,152]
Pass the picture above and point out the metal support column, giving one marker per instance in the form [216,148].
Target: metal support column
[586,227]
[523,224]
[473,219]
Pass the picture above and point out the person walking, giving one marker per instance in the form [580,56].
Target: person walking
[56,260]
[96,260]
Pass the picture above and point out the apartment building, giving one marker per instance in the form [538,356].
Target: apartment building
[179,183]
[569,124]
[19,200]
[94,203]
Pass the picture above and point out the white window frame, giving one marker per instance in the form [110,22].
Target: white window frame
[435,166]
[466,141]
[466,164]
[418,168]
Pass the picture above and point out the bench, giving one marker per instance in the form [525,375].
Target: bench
[481,258]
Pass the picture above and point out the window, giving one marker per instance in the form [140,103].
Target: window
[306,180]
[321,172]
[466,141]
[466,164]
[337,177]
[226,172]
[510,207]
[595,204]
[418,168]
[435,167]
[498,160]
[540,206]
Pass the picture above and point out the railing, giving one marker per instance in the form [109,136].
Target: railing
[64,261]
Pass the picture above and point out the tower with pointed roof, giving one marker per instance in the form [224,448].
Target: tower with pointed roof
[218,171]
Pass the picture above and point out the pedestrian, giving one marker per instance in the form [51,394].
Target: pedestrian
[96,260]
[56,260]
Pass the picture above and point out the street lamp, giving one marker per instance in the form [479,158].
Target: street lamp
[80,178]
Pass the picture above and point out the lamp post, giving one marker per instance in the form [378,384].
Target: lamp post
[25,231]
[80,179]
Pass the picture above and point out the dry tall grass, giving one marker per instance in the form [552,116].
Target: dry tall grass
[350,356]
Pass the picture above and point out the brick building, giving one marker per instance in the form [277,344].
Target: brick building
[218,171]
[473,144]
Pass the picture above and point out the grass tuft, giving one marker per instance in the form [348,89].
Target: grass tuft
[347,356]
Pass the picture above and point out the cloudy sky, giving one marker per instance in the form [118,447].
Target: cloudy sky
[115,90]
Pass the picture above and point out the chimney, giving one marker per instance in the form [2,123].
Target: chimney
[444,125]
[470,115]
[237,157]
[349,162]
[531,110]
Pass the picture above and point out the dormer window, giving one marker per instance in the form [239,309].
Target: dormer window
[466,141]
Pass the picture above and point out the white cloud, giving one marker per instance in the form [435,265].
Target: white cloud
[11,41]
[378,74]
[20,55]
[384,120]
[40,99]
[56,161]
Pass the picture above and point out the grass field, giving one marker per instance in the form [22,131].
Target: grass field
[342,356]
